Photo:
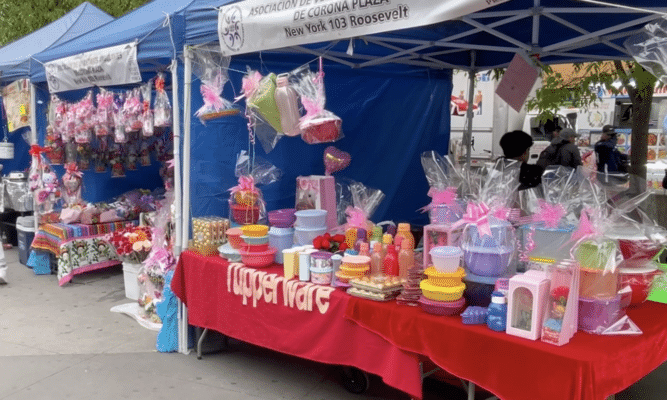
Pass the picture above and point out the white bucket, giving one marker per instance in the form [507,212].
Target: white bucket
[6,150]
[130,274]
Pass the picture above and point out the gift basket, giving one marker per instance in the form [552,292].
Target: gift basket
[444,180]
[210,66]
[318,125]
[147,118]
[488,240]
[161,106]
[246,205]
[43,181]
[72,184]
[356,204]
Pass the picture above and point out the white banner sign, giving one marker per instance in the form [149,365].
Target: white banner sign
[115,65]
[255,25]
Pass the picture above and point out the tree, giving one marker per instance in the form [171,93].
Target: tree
[20,17]
[558,90]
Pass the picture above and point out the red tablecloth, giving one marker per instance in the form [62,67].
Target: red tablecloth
[206,286]
[589,367]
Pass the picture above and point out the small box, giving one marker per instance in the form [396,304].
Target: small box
[439,235]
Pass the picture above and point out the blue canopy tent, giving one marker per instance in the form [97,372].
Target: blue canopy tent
[16,60]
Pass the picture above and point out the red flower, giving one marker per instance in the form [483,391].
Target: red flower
[317,242]
[325,244]
[327,235]
[343,246]
[338,238]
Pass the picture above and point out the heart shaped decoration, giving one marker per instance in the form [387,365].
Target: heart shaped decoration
[335,160]
[72,184]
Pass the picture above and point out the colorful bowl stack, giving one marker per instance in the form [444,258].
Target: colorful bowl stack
[353,267]
[255,250]
[309,224]
[442,291]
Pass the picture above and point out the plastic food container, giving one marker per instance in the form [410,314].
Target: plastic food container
[595,283]
[234,237]
[446,259]
[255,230]
[311,219]
[549,243]
[321,130]
[640,281]
[244,214]
[444,214]
[255,240]
[258,260]
[598,314]
[593,255]
[281,239]
[487,261]
[502,234]
[474,315]
[321,276]
[444,280]
[442,307]
[255,248]
[304,236]
[229,253]
[283,218]
[439,293]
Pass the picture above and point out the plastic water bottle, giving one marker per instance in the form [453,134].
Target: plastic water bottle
[496,315]
[288,106]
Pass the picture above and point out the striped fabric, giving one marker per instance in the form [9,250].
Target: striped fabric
[50,237]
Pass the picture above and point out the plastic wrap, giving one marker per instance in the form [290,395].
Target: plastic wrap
[147,118]
[116,160]
[161,106]
[444,180]
[211,66]
[246,204]
[318,125]
[119,119]
[262,171]
[132,111]
[261,108]
[649,50]
[84,113]
[104,121]
[53,139]
[17,195]
[488,240]
[72,184]
[356,203]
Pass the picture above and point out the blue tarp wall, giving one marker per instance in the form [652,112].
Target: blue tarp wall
[389,119]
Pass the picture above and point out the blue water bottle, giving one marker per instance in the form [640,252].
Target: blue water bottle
[496,316]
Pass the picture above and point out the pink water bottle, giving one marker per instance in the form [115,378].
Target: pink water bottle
[288,106]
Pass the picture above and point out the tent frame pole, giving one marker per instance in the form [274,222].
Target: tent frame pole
[467,134]
[187,91]
[33,140]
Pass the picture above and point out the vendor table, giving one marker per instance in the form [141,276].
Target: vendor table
[79,248]
[589,367]
[257,306]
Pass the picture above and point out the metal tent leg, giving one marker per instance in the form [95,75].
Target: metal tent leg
[199,343]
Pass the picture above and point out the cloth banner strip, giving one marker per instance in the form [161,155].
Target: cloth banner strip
[256,25]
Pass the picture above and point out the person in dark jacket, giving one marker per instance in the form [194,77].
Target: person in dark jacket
[516,146]
[609,159]
[562,151]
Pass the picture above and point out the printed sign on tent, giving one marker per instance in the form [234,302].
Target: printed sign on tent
[16,100]
[110,66]
[255,25]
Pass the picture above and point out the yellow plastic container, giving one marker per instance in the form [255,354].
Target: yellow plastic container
[442,279]
[255,230]
[439,293]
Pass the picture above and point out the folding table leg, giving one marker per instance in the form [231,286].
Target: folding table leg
[200,341]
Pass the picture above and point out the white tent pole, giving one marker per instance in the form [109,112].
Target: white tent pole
[177,160]
[185,206]
[467,135]
[33,139]
[187,105]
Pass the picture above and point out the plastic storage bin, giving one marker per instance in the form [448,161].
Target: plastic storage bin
[304,236]
[310,219]
[25,230]
[130,273]
[596,315]
[281,239]
[549,243]
[446,259]
[488,261]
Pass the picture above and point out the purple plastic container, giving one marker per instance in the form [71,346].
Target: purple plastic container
[283,218]
[487,261]
[474,315]
[598,314]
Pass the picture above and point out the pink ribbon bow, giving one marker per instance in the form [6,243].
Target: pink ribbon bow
[104,100]
[550,214]
[440,197]
[249,85]
[477,214]
[73,169]
[212,97]
[356,217]
[246,184]
[315,106]
[585,230]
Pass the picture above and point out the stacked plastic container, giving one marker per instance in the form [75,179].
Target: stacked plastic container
[281,234]
[309,224]
[487,258]
[255,250]
[442,291]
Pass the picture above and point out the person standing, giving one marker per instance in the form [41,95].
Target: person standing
[609,159]
[478,102]
[562,151]
[516,146]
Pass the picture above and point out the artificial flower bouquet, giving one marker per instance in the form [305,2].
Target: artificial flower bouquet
[133,244]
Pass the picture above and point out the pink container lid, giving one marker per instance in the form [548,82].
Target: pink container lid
[270,251]
[651,269]
[321,255]
[356,259]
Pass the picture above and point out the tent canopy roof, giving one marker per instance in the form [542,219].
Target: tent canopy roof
[15,57]
[556,31]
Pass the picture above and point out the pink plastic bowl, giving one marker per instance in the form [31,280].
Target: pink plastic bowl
[234,237]
[255,248]
[244,215]
[258,260]
[640,281]
[442,307]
